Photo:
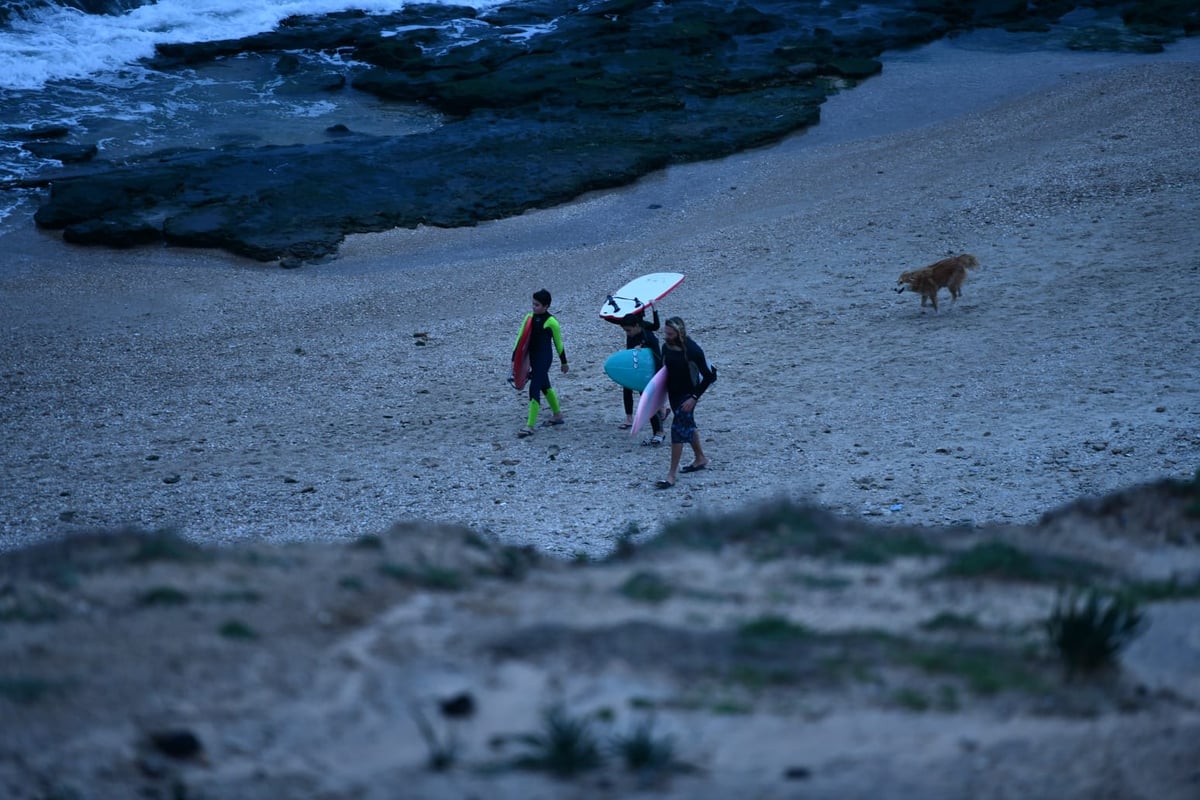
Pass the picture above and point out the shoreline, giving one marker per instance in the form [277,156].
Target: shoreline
[234,401]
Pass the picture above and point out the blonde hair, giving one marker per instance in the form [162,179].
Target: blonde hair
[680,327]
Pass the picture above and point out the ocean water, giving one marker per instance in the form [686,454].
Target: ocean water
[78,63]
[60,65]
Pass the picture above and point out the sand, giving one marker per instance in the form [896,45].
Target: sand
[231,400]
[242,404]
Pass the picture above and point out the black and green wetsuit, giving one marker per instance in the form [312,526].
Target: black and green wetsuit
[545,339]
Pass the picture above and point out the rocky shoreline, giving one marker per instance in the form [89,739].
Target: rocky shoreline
[604,94]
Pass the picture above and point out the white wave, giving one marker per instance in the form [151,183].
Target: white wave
[61,43]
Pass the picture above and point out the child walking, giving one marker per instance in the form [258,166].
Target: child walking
[640,333]
[545,339]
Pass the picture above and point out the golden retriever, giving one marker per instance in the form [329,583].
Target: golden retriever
[949,272]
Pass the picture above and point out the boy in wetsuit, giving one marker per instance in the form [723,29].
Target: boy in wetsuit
[545,338]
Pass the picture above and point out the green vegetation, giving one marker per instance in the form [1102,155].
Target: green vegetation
[165,545]
[985,671]
[624,548]
[235,629]
[832,582]
[949,621]
[1002,561]
[565,747]
[646,586]
[370,541]
[1190,491]
[882,547]
[1156,591]
[786,530]
[772,628]
[16,606]
[163,596]
[426,576]
[512,563]
[642,751]
[759,677]
[911,699]
[1088,630]
[27,690]
[944,699]
[352,583]
[768,531]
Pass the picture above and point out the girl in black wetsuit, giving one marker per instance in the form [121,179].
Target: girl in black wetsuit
[640,333]
[688,376]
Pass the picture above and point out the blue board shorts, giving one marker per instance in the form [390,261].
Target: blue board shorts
[683,426]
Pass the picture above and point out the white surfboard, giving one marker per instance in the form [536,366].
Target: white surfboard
[633,297]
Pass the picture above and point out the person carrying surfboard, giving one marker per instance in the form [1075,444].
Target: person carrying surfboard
[640,333]
[544,339]
[688,376]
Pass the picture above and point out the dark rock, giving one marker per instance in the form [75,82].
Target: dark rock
[61,151]
[177,743]
[288,64]
[613,90]
[303,82]
[32,134]
[113,232]
[460,706]
[857,68]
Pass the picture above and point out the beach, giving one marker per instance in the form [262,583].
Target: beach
[231,401]
[895,641]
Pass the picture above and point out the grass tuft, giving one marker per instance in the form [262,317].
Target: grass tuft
[565,747]
[1089,630]
[642,751]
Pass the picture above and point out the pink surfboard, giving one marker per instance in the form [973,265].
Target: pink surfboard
[653,397]
[520,362]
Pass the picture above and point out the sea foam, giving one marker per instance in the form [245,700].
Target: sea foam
[59,43]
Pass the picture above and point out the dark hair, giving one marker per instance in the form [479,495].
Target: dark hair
[543,297]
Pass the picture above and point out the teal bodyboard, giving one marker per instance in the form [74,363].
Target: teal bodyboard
[632,369]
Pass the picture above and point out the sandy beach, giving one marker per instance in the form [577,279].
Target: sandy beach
[246,405]
[231,400]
